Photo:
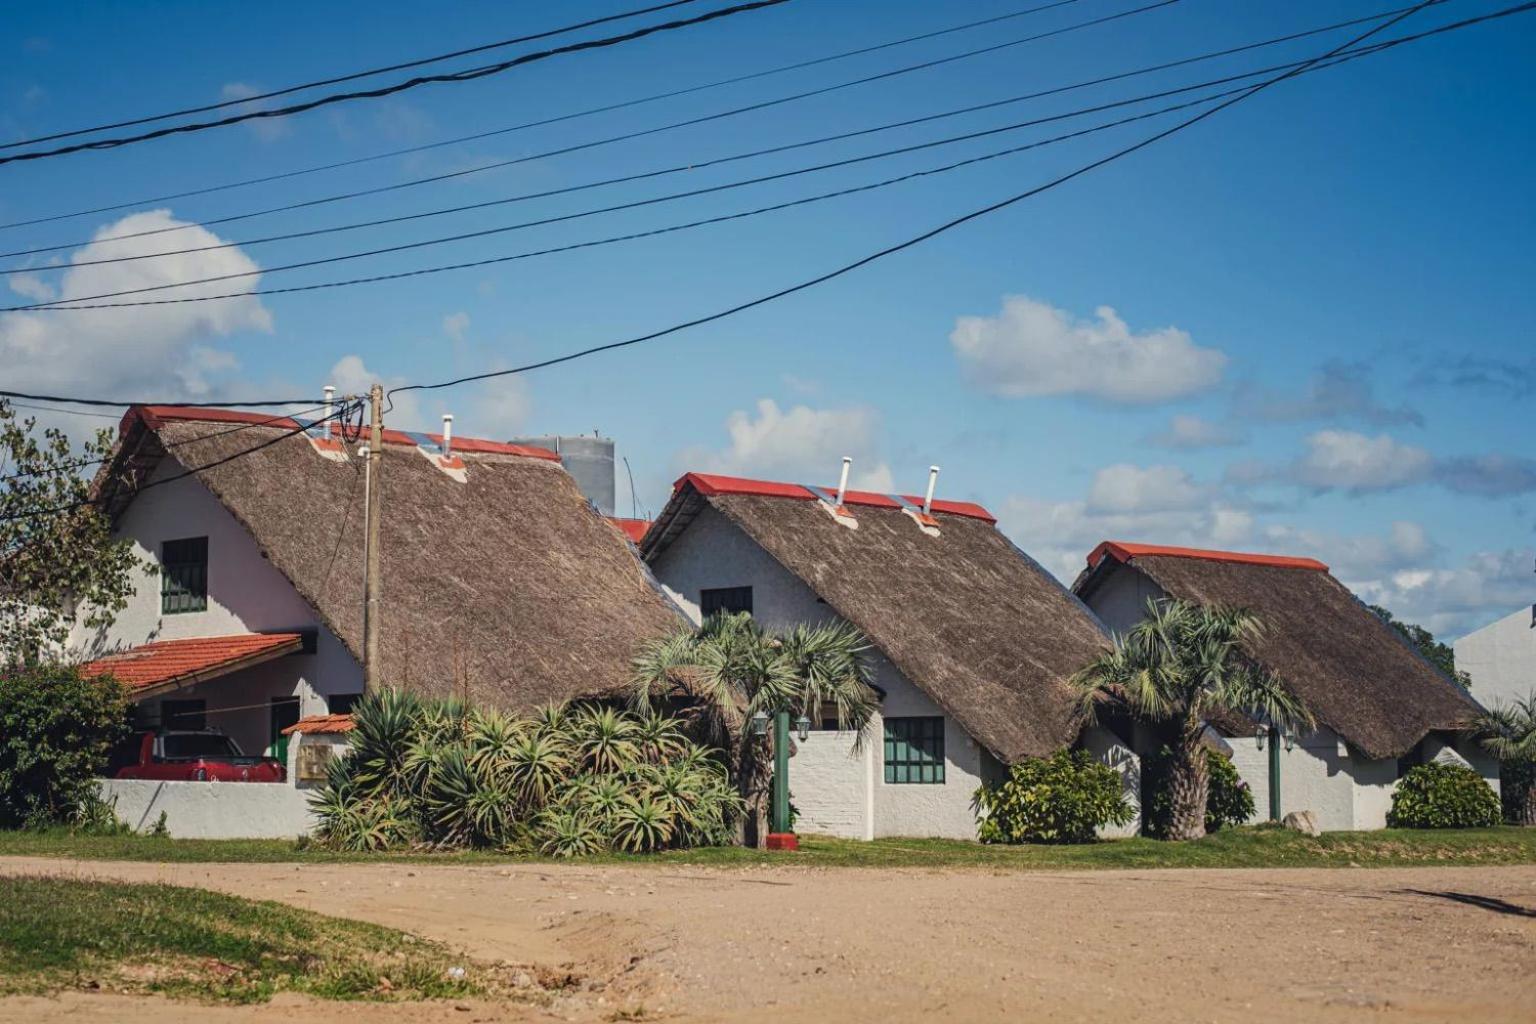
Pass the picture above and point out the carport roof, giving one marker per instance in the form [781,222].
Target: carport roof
[171,664]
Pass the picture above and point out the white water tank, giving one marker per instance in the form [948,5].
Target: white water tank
[588,458]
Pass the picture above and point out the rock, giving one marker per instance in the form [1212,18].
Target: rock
[1304,822]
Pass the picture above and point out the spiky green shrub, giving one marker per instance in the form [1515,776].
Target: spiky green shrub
[1444,794]
[566,781]
[1065,798]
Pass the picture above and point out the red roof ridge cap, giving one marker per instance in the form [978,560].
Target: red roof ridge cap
[1124,551]
[711,484]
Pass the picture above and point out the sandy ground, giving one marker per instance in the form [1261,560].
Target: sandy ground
[784,943]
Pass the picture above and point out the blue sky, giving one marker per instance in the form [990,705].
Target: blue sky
[1301,326]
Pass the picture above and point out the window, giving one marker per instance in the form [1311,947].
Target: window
[186,746]
[184,714]
[342,703]
[184,575]
[284,712]
[725,599]
[914,750]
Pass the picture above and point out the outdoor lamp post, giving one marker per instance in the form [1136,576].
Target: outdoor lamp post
[1274,733]
[759,723]
[779,835]
[803,727]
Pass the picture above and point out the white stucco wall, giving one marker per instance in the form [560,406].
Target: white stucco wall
[1120,600]
[832,785]
[1500,658]
[211,810]
[713,553]
[1113,751]
[246,594]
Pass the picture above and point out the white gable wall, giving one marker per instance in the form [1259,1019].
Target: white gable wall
[246,594]
[834,793]
[1501,658]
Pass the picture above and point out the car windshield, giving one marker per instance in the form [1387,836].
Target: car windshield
[199,744]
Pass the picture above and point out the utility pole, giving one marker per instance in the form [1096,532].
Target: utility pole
[371,575]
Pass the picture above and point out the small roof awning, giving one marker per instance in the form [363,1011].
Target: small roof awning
[166,665]
[320,725]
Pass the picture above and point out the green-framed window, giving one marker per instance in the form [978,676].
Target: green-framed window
[914,750]
[184,575]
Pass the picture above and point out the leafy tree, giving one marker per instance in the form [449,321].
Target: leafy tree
[1440,655]
[59,564]
[1508,732]
[722,673]
[56,730]
[1177,668]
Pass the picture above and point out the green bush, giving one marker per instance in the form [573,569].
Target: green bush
[568,781]
[1443,794]
[56,730]
[1065,798]
[1228,803]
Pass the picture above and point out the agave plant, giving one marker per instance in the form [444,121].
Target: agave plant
[643,824]
[658,739]
[466,804]
[603,739]
[565,833]
[384,729]
[552,721]
[492,737]
[535,767]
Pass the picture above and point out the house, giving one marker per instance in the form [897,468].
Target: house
[973,641]
[500,581]
[1500,658]
[1380,706]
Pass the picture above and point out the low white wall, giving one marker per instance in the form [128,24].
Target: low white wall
[211,810]
[1109,749]
[832,785]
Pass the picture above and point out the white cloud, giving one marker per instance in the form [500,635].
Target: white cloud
[1125,488]
[1491,476]
[494,410]
[153,351]
[32,286]
[1186,433]
[1032,348]
[1337,391]
[1452,601]
[800,444]
[1344,460]
[455,324]
[267,129]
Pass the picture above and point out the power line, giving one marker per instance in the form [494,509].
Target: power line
[353,76]
[468,75]
[167,197]
[95,301]
[926,235]
[592,144]
[71,412]
[343,412]
[118,403]
[697,165]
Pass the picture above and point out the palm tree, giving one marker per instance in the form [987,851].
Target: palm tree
[1177,668]
[1509,733]
[720,674]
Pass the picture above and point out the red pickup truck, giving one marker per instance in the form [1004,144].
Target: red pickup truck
[204,756]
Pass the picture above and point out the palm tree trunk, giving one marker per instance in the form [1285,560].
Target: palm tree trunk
[1189,785]
[1528,810]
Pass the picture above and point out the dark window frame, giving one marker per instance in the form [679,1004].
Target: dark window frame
[727,599]
[342,703]
[184,575]
[914,750]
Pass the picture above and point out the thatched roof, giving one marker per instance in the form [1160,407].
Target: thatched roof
[970,619]
[1356,673]
[509,580]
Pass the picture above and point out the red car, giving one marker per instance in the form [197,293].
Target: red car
[203,756]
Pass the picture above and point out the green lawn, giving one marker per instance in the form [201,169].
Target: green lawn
[1260,846]
[63,933]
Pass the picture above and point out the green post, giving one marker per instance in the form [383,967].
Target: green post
[1274,775]
[780,815]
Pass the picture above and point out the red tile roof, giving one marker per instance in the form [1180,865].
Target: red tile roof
[1122,551]
[154,415]
[634,529]
[166,662]
[318,725]
[712,483]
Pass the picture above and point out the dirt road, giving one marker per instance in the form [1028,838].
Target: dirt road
[790,944]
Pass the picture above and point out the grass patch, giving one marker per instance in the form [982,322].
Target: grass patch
[60,933]
[1258,846]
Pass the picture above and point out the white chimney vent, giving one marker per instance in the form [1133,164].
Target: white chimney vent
[330,402]
[447,434]
[835,508]
[933,480]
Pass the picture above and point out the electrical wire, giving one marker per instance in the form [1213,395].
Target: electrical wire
[95,301]
[389,90]
[70,506]
[592,144]
[697,165]
[243,183]
[926,235]
[352,77]
[71,412]
[118,403]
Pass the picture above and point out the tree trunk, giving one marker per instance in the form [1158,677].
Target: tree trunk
[1189,784]
[1528,811]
